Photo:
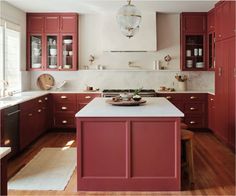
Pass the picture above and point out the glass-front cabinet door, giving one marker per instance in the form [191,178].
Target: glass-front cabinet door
[52,52]
[36,52]
[68,52]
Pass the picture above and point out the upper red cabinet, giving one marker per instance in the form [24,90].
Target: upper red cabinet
[52,42]
[52,23]
[211,20]
[68,23]
[193,22]
[193,41]
[225,20]
[35,23]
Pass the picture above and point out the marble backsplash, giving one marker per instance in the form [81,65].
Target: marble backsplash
[108,79]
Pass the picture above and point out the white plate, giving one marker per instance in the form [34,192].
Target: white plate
[52,66]
[36,65]
[67,41]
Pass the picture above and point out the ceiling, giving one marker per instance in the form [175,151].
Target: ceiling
[103,6]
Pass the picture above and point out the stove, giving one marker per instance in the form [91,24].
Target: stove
[117,92]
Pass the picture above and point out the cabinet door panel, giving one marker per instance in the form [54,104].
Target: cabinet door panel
[210,20]
[52,24]
[68,23]
[194,23]
[35,23]
[221,90]
[211,112]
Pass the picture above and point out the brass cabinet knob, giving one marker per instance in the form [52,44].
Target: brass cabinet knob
[63,108]
[40,101]
[45,98]
[63,97]
[7,142]
[39,110]
[193,97]
[30,114]
[212,99]
[64,122]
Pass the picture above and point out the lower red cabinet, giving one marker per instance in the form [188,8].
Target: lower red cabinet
[193,105]
[211,112]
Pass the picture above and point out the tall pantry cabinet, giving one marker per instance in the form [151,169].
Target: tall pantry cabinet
[225,72]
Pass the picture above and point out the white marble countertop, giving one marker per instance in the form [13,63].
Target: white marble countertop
[154,107]
[190,91]
[4,151]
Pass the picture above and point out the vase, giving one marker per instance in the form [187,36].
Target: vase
[182,86]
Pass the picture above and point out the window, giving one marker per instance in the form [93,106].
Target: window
[10,57]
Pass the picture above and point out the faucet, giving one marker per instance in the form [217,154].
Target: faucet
[4,89]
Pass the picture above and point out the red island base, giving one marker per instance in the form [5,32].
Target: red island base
[128,154]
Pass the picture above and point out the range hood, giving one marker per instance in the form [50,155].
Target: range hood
[144,41]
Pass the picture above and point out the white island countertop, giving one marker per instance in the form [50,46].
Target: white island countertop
[154,107]
[4,151]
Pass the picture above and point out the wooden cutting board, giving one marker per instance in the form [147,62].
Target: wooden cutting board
[45,81]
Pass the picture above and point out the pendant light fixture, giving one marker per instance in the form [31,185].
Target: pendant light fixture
[129,19]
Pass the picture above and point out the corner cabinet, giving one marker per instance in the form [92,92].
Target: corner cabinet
[52,41]
[211,40]
[193,41]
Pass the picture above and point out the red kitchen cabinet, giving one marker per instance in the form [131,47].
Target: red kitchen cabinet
[68,23]
[35,23]
[211,20]
[84,98]
[232,86]
[221,90]
[52,23]
[55,47]
[193,30]
[225,20]
[211,112]
[193,22]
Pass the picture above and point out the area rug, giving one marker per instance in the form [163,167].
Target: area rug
[50,169]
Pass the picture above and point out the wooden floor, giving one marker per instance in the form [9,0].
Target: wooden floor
[214,168]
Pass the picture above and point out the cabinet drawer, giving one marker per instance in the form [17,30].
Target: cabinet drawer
[65,107]
[194,108]
[63,98]
[172,97]
[87,97]
[195,97]
[195,121]
[64,121]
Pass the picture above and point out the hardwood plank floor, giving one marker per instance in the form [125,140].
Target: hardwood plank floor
[214,167]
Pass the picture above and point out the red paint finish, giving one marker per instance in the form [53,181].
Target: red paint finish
[211,20]
[3,165]
[68,23]
[35,23]
[52,23]
[128,154]
[211,112]
[193,22]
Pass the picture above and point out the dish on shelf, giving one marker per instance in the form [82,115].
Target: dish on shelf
[199,65]
[36,65]
[52,66]
[67,41]
[66,66]
[53,52]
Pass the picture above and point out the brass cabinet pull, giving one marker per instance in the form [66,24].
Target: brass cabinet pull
[168,97]
[64,122]
[39,110]
[220,71]
[45,98]
[40,101]
[63,97]
[192,122]
[63,108]
[192,108]
[6,142]
[87,97]
[193,97]
[212,99]
[30,114]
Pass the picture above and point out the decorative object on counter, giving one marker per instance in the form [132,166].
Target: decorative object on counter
[45,82]
[137,97]
[165,89]
[129,19]
[182,82]
[120,102]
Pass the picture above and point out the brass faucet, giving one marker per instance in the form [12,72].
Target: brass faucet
[4,89]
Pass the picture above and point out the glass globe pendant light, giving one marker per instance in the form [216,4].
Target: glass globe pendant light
[129,19]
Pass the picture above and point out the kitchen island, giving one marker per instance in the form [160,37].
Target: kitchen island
[128,148]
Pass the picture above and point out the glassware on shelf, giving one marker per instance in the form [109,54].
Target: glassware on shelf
[52,52]
[67,52]
[36,52]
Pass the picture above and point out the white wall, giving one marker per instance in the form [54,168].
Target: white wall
[17,16]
